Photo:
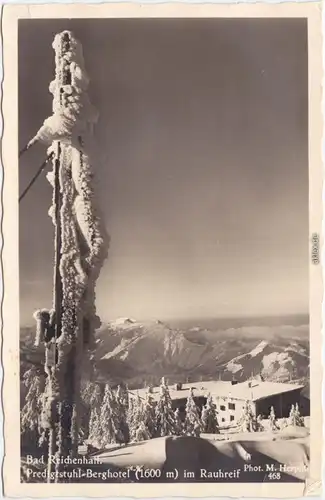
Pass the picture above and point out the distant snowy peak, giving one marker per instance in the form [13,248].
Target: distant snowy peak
[259,348]
[294,347]
[272,361]
[123,322]
[120,322]
[234,365]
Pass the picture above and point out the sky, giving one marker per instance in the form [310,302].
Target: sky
[202,165]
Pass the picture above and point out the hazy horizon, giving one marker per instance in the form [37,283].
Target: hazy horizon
[202,165]
[235,322]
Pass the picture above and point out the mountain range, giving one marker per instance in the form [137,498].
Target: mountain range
[141,352]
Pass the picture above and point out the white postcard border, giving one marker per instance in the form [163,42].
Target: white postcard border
[10,309]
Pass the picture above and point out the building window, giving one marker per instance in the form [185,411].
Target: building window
[222,420]
[222,408]
[232,418]
[231,406]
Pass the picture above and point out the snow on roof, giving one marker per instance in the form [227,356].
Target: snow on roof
[252,390]
[260,390]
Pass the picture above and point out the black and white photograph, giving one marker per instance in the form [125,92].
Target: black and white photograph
[164,250]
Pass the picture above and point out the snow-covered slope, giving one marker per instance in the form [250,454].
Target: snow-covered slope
[156,346]
[272,361]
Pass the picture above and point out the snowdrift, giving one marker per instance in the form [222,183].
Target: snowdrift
[255,459]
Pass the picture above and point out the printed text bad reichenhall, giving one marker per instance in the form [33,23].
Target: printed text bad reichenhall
[57,460]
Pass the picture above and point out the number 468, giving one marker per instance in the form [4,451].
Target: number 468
[274,475]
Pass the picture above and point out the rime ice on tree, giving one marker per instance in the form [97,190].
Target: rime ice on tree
[164,412]
[80,241]
[149,418]
[272,420]
[209,417]
[192,419]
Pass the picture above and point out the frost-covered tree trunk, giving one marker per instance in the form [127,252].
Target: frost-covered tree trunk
[80,241]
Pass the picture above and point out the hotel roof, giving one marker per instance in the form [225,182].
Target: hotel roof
[252,390]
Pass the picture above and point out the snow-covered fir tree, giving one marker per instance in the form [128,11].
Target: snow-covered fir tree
[122,399]
[95,428]
[178,424]
[299,417]
[295,418]
[272,420]
[150,389]
[109,418]
[91,397]
[259,423]
[149,415]
[283,423]
[192,419]
[248,422]
[291,419]
[92,392]
[209,417]
[135,416]
[31,415]
[129,413]
[164,412]
[122,395]
[142,433]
